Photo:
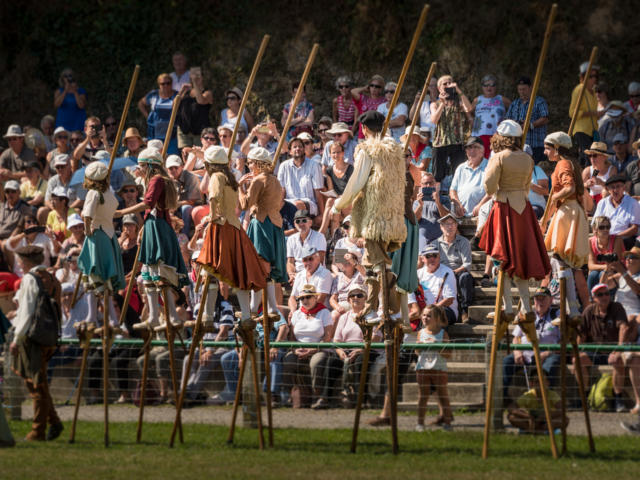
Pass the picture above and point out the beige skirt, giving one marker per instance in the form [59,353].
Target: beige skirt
[568,234]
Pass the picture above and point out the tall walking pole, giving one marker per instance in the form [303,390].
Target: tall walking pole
[266,328]
[106,334]
[170,332]
[85,334]
[236,402]
[423,94]
[147,335]
[563,359]
[366,331]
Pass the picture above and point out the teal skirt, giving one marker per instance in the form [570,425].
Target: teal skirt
[271,246]
[404,262]
[101,256]
[160,243]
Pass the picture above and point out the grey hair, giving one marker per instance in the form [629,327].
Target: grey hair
[390,85]
[343,79]
[489,78]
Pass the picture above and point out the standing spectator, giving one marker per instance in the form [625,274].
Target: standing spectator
[621,157]
[439,283]
[229,115]
[156,107]
[600,170]
[425,108]
[451,114]
[304,237]
[133,142]
[181,74]
[111,128]
[94,142]
[467,188]
[302,120]
[601,243]
[313,273]
[429,206]
[455,253]
[400,112]
[539,118]
[343,106]
[602,95]
[14,158]
[617,123]
[622,210]
[633,173]
[301,180]
[12,210]
[342,135]
[634,97]
[188,187]
[70,101]
[418,143]
[588,115]
[368,97]
[193,113]
[489,110]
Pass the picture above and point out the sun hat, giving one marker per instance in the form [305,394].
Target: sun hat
[339,127]
[60,191]
[156,143]
[131,132]
[416,131]
[509,128]
[236,91]
[12,185]
[307,251]
[96,171]
[173,161]
[73,220]
[307,290]
[597,148]
[130,218]
[58,131]
[61,160]
[216,155]
[559,139]
[13,131]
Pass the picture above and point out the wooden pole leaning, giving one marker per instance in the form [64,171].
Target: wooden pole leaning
[236,402]
[416,114]
[106,337]
[85,334]
[563,360]
[147,335]
[388,329]
[572,335]
[169,329]
[266,328]
[536,80]
[367,331]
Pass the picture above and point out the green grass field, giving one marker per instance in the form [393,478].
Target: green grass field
[308,454]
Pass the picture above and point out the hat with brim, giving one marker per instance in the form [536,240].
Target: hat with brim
[33,253]
[33,164]
[305,136]
[58,131]
[471,141]
[357,287]
[615,179]
[347,219]
[236,91]
[13,131]
[339,127]
[447,217]
[132,132]
[614,112]
[155,143]
[355,252]
[61,160]
[74,220]
[301,214]
[216,155]
[598,287]
[416,132]
[225,126]
[597,148]
[150,156]
[429,250]
[173,161]
[12,185]
[620,138]
[632,252]
[130,218]
[307,291]
[60,192]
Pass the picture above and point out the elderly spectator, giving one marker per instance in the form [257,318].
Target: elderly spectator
[605,321]
[633,172]
[467,188]
[343,106]
[451,114]
[302,120]
[342,135]
[425,108]
[588,114]
[438,283]
[310,324]
[539,118]
[14,159]
[622,210]
[47,126]
[229,115]
[617,123]
[634,97]
[400,112]
[305,236]
[547,333]
[313,273]
[70,101]
[369,97]
[188,188]
[94,142]
[621,157]
[429,206]
[455,253]
[181,74]
[349,273]
[264,135]
[156,107]
[600,170]
[34,188]
[489,109]
[193,112]
[61,145]
[301,179]
[601,243]
[12,210]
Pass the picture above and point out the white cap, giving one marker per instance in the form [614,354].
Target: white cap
[558,139]
[216,155]
[58,131]
[173,161]
[60,160]
[509,128]
[73,220]
[60,191]
[96,171]
[155,143]
[304,136]
[225,126]
[12,185]
[101,155]
[259,154]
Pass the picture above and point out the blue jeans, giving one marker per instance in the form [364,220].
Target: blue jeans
[550,365]
[593,278]
[185,214]
[275,367]
[230,362]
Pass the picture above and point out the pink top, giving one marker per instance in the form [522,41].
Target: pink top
[365,104]
[593,243]
[346,113]
[347,329]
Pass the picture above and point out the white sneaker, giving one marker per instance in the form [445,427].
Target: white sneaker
[419,427]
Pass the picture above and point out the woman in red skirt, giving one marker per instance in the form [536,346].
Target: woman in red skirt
[511,235]
[227,252]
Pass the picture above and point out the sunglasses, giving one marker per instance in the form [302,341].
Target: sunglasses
[209,139]
[317,149]
[232,98]
[357,295]
[110,124]
[225,136]
[306,297]
[164,83]
[373,85]
[343,86]
[488,84]
[604,227]
[631,257]
[129,190]
[602,294]
[307,142]
[308,259]
[62,137]
[59,167]
[75,140]
[301,220]
[10,191]
[389,91]
[431,255]
[322,130]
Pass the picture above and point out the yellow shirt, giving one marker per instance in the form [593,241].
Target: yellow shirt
[58,225]
[589,103]
[29,191]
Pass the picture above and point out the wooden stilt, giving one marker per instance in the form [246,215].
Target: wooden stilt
[106,331]
[143,386]
[367,331]
[389,348]
[256,388]
[563,360]
[169,329]
[236,402]
[84,334]
[266,326]
[583,394]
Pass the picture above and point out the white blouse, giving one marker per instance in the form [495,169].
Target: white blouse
[100,214]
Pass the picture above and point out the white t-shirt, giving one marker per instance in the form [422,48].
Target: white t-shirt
[321,279]
[300,182]
[536,198]
[309,329]
[431,283]
[401,109]
[627,298]
[100,213]
[295,246]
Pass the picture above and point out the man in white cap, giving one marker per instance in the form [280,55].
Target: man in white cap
[14,159]
[341,133]
[634,97]
[617,122]
[314,273]
[188,187]
[12,210]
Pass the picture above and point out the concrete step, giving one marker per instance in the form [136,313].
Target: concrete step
[461,393]
[466,372]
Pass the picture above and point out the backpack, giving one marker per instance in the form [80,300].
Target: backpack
[601,393]
[46,324]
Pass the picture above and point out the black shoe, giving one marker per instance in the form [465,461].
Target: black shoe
[54,431]
[475,243]
[631,427]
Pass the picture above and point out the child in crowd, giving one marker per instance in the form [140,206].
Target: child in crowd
[431,368]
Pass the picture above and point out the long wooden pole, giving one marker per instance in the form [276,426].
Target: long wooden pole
[405,67]
[416,114]
[132,281]
[536,81]
[172,121]
[243,354]
[143,386]
[583,86]
[105,364]
[85,341]
[363,379]
[563,359]
[266,326]
[247,90]
[169,332]
[296,100]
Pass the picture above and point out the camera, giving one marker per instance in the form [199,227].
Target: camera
[607,257]
[427,192]
[96,130]
[69,78]
[451,92]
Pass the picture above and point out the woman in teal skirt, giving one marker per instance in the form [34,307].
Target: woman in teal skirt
[262,199]
[100,260]
[160,256]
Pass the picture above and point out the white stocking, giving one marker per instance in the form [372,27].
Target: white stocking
[562,270]
[153,303]
[171,306]
[271,293]
[210,304]
[92,312]
[404,308]
[244,300]
[256,299]
[523,289]
[506,294]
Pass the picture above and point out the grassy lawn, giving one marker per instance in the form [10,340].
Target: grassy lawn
[308,454]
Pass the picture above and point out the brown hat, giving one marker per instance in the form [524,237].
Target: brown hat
[130,133]
[632,252]
[32,253]
[597,148]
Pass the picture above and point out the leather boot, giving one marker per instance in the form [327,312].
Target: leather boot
[371,305]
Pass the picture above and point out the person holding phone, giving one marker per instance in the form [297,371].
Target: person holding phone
[70,101]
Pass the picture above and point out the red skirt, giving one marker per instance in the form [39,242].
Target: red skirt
[516,241]
[228,254]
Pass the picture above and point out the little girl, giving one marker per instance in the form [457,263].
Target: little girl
[431,368]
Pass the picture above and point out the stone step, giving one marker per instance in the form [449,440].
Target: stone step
[466,372]
[461,393]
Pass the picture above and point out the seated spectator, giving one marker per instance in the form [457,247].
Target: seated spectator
[307,141]
[68,270]
[467,189]
[547,333]
[305,236]
[348,331]
[32,235]
[193,112]
[34,188]
[301,179]
[194,156]
[400,112]
[57,218]
[264,135]
[455,253]
[622,210]
[314,273]
[61,145]
[308,369]
[621,157]
[337,176]
[133,142]
[74,224]
[15,158]
[324,125]
[429,206]
[539,188]
[156,107]
[601,243]
[438,283]
[94,142]
[605,321]
[229,115]
[302,120]
[633,173]
[70,101]
[12,211]
[343,107]
[341,134]
[600,170]
[349,274]
[188,188]
[634,97]
[617,123]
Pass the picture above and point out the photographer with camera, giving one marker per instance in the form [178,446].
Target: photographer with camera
[603,247]
[95,140]
[452,117]
[70,101]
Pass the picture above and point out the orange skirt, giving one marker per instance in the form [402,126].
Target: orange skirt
[516,241]
[228,254]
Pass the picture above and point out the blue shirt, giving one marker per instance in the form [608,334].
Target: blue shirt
[159,114]
[349,151]
[467,182]
[69,115]
[518,112]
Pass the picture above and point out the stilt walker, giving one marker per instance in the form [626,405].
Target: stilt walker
[511,237]
[85,332]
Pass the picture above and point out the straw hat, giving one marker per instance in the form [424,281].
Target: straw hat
[14,131]
[597,148]
[306,291]
[339,127]
[131,132]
